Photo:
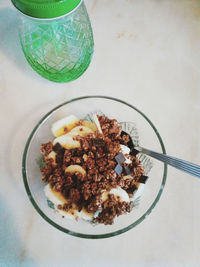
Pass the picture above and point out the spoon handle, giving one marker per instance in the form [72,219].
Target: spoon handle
[180,164]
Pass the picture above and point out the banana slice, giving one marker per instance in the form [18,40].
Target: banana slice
[96,121]
[55,197]
[75,214]
[118,192]
[81,130]
[90,125]
[64,125]
[104,195]
[72,214]
[67,141]
[75,168]
[52,155]
[83,214]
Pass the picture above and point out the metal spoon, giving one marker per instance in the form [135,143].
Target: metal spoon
[180,164]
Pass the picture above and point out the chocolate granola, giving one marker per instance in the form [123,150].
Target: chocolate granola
[97,156]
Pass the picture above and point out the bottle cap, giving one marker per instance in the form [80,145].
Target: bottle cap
[45,9]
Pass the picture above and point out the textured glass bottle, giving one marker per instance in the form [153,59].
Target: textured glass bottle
[58,48]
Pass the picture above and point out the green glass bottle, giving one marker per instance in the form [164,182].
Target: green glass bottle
[56,37]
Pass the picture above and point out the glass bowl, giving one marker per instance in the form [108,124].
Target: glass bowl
[113,108]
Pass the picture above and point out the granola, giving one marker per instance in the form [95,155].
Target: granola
[87,172]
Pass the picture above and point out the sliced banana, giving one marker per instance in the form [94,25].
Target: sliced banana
[90,125]
[70,214]
[52,155]
[75,168]
[104,195]
[121,193]
[117,192]
[67,141]
[55,197]
[75,214]
[81,130]
[87,216]
[125,177]
[64,125]
[96,121]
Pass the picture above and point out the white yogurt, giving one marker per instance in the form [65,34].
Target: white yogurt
[125,149]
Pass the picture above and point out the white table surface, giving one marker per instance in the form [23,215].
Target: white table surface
[147,52]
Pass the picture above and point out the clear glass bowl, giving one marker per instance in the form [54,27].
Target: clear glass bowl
[113,108]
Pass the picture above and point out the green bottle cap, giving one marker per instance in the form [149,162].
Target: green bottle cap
[45,9]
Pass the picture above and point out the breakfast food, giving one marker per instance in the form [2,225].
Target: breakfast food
[91,169]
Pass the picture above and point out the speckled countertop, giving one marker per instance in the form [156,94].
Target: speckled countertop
[146,53]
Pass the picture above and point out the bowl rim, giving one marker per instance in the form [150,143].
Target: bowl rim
[91,236]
